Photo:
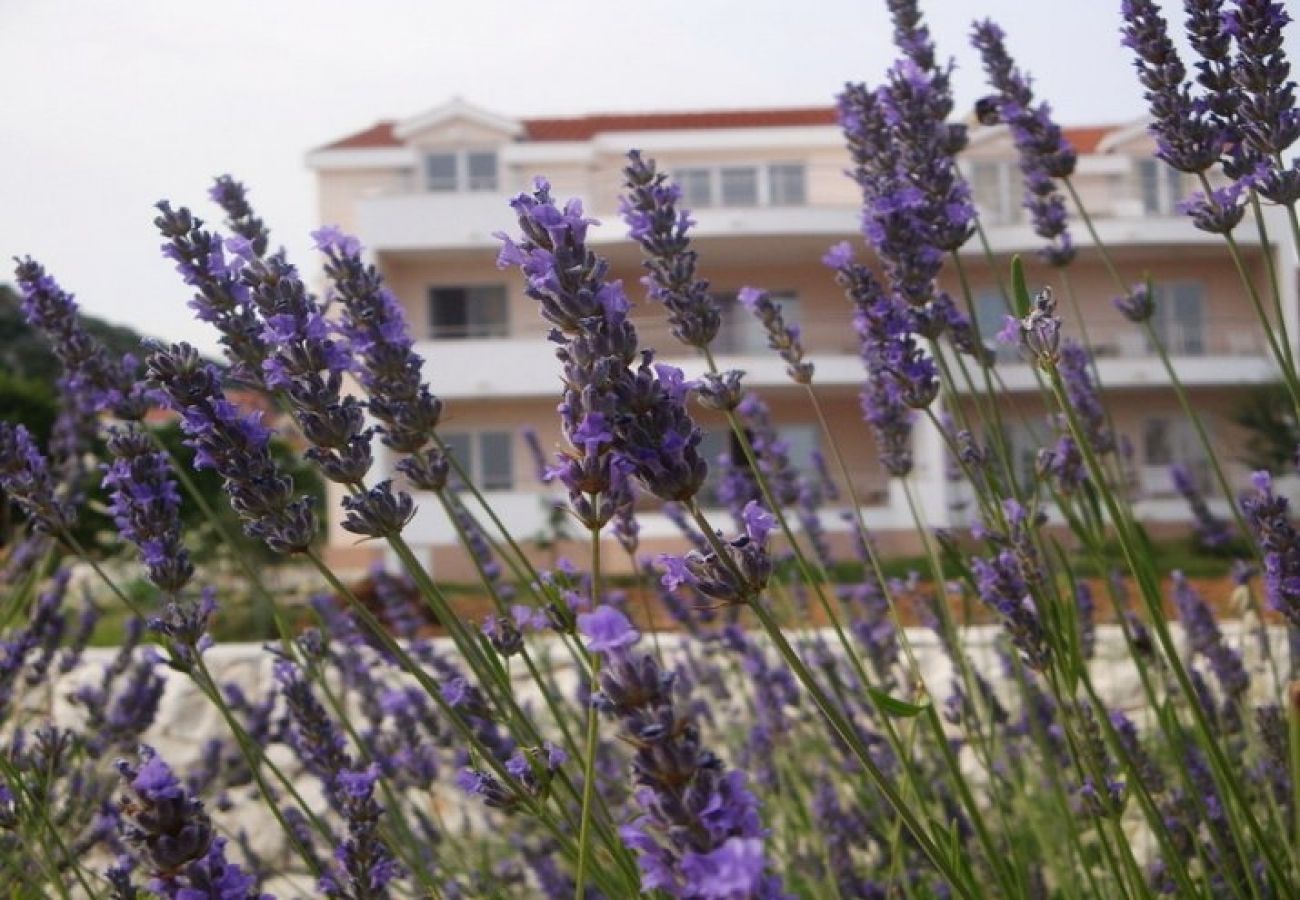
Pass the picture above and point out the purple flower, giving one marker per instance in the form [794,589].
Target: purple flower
[1211,532]
[331,239]
[732,871]
[1076,375]
[758,521]
[145,506]
[1138,305]
[90,372]
[1044,152]
[220,299]
[25,478]
[607,629]
[1265,102]
[251,235]
[650,209]
[164,826]
[1269,518]
[1189,136]
[782,338]
[1217,213]
[236,446]
[364,866]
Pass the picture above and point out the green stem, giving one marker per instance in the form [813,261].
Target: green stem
[589,759]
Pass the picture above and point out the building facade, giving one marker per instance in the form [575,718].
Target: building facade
[769,193]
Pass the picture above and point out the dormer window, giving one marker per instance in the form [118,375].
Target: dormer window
[441,171]
[451,170]
[482,167]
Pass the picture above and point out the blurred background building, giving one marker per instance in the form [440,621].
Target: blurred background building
[768,190]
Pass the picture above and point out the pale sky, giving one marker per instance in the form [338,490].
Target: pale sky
[110,106]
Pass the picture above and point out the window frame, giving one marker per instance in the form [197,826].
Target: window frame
[462,181]
[473,443]
[770,179]
[490,329]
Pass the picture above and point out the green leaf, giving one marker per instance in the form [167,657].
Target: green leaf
[1019,289]
[899,709]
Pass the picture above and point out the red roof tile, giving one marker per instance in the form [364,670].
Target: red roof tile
[582,128]
[378,135]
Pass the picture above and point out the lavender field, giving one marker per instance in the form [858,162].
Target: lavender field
[1055,692]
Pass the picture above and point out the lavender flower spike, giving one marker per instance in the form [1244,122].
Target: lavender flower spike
[25,478]
[1044,152]
[365,867]
[650,209]
[165,826]
[1211,532]
[146,507]
[781,337]
[699,834]
[1188,135]
[232,197]
[381,348]
[105,383]
[1269,518]
[237,447]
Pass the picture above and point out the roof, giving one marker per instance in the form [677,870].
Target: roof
[582,128]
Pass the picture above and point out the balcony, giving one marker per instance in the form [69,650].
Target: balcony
[1216,352]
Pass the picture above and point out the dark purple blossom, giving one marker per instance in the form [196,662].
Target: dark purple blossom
[25,478]
[236,446]
[1138,305]
[145,506]
[364,865]
[643,408]
[378,512]
[89,371]
[649,206]
[380,345]
[1265,102]
[221,298]
[692,808]
[782,337]
[1205,639]
[232,197]
[739,578]
[1045,154]
[1076,376]
[901,377]
[1189,136]
[1217,213]
[165,827]
[1210,531]
[1269,518]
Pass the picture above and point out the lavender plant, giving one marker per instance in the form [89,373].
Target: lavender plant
[399,749]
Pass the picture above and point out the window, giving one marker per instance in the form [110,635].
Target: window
[486,456]
[1022,447]
[482,166]
[991,313]
[722,446]
[452,170]
[740,331]
[1167,440]
[1161,187]
[739,186]
[697,187]
[441,171]
[992,187]
[1179,320]
[476,311]
[785,184]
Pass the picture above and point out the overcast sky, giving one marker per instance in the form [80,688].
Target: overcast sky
[106,108]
